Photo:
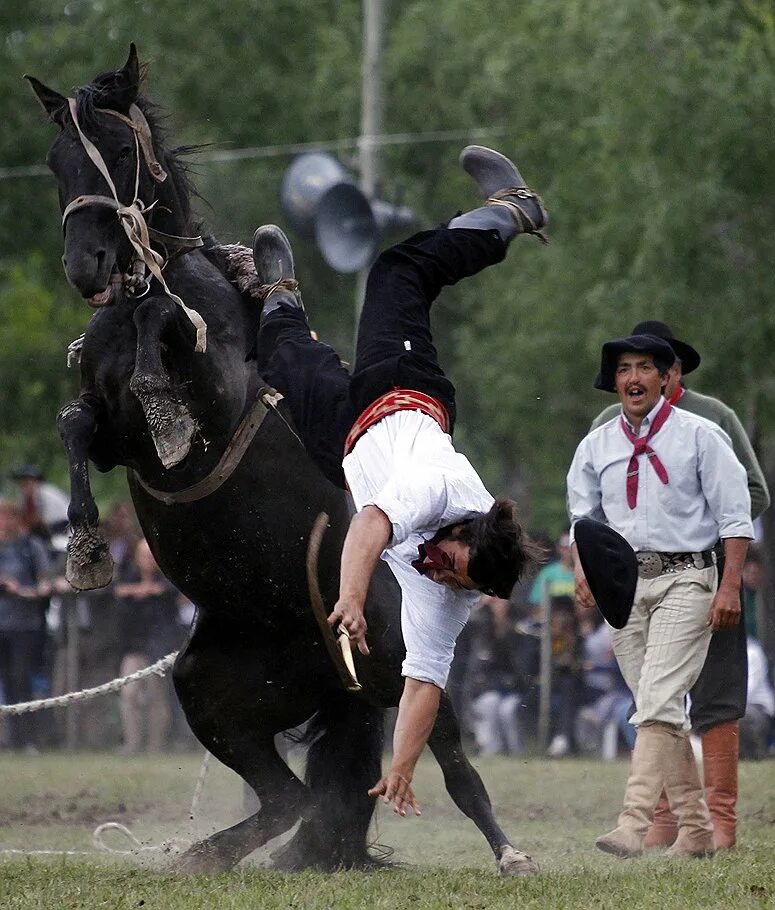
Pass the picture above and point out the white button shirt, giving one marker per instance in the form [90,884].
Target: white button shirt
[406,466]
[706,497]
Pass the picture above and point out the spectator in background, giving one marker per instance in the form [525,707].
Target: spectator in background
[605,694]
[150,629]
[23,602]
[566,697]
[499,676]
[122,534]
[718,696]
[556,577]
[756,724]
[43,506]
[555,581]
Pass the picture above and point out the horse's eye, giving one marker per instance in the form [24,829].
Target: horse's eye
[125,152]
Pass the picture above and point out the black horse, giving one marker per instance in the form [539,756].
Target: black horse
[229,527]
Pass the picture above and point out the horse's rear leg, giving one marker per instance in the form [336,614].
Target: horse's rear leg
[344,760]
[468,792]
[221,694]
[89,564]
[171,425]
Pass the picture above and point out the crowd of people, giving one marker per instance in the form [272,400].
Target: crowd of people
[54,640]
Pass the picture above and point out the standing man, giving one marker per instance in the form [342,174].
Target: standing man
[386,429]
[718,698]
[672,507]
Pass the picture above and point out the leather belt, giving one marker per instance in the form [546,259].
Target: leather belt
[652,564]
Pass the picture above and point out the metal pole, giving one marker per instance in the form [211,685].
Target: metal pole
[545,674]
[369,153]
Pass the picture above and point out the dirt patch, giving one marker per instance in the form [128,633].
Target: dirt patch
[83,807]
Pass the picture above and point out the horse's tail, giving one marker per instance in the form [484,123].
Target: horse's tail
[345,739]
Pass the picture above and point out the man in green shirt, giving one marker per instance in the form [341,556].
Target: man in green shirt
[719,695]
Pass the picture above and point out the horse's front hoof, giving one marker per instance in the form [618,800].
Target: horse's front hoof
[171,425]
[89,563]
[516,863]
[173,442]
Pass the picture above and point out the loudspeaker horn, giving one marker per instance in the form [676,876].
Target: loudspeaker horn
[320,198]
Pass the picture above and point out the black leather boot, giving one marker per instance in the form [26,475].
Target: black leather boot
[273,258]
[510,207]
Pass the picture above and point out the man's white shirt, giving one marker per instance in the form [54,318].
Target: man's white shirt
[706,497]
[407,467]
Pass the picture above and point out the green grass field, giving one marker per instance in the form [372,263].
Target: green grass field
[552,809]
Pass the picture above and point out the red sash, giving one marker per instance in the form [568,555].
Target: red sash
[389,403]
[640,446]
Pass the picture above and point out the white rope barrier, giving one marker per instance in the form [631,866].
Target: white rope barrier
[61,701]
[176,845]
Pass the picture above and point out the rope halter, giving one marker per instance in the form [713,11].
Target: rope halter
[132,217]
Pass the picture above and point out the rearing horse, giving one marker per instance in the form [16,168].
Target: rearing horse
[225,495]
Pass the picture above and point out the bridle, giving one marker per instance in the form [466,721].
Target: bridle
[132,217]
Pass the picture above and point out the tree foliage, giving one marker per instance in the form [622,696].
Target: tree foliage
[645,124]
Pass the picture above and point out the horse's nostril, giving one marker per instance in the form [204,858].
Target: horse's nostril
[100,257]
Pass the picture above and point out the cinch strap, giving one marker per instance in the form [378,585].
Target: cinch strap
[389,403]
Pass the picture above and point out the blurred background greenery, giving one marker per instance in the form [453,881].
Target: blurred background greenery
[645,124]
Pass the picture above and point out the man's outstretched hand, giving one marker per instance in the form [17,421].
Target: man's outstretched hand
[395,788]
[349,614]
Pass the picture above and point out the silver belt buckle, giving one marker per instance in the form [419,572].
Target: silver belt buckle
[649,564]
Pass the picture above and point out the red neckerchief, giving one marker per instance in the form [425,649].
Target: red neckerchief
[640,446]
[431,557]
[677,395]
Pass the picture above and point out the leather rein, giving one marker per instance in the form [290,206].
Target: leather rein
[132,217]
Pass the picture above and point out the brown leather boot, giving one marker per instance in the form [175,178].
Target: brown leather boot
[684,792]
[664,828]
[643,788]
[720,749]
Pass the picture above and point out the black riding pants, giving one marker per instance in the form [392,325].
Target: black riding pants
[394,347]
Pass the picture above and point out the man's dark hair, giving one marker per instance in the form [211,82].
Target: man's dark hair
[663,367]
[500,551]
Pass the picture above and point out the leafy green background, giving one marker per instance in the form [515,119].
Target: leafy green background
[645,124]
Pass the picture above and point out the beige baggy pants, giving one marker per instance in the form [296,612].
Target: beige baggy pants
[663,647]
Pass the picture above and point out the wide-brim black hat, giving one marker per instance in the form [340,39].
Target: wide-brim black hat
[689,358]
[611,569]
[640,344]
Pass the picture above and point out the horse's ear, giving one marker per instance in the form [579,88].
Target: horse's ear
[118,89]
[50,101]
[131,71]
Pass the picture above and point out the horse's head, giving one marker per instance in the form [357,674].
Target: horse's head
[103,139]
